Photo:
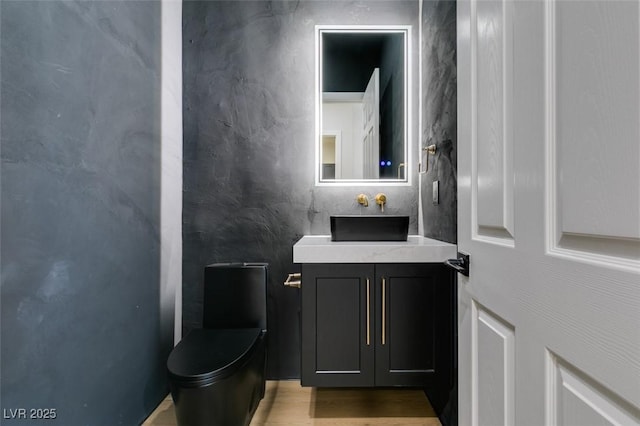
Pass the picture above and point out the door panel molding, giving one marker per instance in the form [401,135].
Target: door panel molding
[596,222]
[566,283]
[492,368]
[492,128]
[573,397]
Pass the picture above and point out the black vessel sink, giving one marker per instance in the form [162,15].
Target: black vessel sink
[369,228]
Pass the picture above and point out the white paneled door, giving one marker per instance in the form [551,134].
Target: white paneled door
[549,211]
[371,127]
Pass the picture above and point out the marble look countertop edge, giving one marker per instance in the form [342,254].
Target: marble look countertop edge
[417,249]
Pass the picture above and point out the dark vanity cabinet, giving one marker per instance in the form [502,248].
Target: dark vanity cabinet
[337,325]
[376,324]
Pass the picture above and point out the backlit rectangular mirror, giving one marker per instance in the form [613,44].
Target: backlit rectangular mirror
[362,104]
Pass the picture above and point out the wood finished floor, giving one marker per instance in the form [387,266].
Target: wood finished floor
[287,403]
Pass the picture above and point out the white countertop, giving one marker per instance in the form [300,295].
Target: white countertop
[417,249]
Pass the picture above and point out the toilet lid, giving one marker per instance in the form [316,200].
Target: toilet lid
[211,353]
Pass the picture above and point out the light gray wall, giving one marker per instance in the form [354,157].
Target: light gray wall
[249,192]
[85,329]
[439,118]
[171,171]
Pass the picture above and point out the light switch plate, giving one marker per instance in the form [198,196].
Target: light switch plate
[435,191]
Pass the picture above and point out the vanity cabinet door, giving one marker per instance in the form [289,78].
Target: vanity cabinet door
[337,325]
[407,320]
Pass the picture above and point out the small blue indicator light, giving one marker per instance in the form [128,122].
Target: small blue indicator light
[388,163]
[382,163]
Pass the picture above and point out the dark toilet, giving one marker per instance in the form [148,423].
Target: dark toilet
[217,373]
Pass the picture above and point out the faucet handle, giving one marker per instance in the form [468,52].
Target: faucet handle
[363,200]
[381,200]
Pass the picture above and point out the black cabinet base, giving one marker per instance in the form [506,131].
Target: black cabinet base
[382,325]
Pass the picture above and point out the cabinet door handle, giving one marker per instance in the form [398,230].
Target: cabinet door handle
[384,309]
[368,313]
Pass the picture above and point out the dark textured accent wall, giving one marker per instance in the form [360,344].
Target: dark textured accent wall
[249,192]
[439,86]
[80,201]
[439,123]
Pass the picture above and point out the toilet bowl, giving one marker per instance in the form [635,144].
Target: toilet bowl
[217,373]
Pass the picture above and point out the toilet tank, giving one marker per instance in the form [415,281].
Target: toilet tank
[235,295]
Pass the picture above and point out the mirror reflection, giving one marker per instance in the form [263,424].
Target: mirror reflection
[363,104]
